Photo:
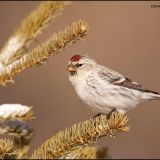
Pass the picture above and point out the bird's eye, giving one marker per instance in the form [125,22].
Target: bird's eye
[78,65]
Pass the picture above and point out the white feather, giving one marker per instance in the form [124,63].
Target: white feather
[100,94]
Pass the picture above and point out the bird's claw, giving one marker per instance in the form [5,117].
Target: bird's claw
[108,114]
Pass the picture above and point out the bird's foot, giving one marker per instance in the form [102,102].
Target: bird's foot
[109,114]
[98,115]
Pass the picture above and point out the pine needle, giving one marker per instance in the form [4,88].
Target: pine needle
[57,43]
[33,25]
[81,134]
[87,152]
[21,131]
[102,153]
[7,149]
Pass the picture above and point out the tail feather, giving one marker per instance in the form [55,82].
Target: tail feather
[151,96]
[155,96]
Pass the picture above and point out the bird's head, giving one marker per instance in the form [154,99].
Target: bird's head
[80,64]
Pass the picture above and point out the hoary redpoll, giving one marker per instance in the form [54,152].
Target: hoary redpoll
[103,89]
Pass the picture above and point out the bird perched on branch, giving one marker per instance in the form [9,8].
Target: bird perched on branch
[103,89]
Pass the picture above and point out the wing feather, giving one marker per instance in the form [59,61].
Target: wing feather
[126,82]
[117,79]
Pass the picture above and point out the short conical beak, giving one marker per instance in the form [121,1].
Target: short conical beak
[71,68]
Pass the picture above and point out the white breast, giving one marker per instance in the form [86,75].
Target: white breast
[101,96]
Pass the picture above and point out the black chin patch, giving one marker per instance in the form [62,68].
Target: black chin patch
[72,73]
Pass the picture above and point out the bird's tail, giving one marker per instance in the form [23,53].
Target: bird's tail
[151,95]
[155,96]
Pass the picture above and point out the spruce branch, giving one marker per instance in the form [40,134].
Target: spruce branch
[57,43]
[30,27]
[7,150]
[87,152]
[103,153]
[21,131]
[12,117]
[81,134]
[15,112]
[22,134]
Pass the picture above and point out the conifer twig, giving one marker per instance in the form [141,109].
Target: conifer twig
[21,131]
[12,117]
[22,134]
[57,43]
[7,150]
[103,153]
[87,152]
[15,112]
[33,25]
[81,134]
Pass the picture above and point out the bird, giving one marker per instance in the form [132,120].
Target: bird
[103,89]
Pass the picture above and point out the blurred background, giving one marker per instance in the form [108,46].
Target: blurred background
[124,36]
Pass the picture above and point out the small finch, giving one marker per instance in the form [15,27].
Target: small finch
[103,89]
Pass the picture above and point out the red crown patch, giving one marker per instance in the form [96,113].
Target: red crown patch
[75,58]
